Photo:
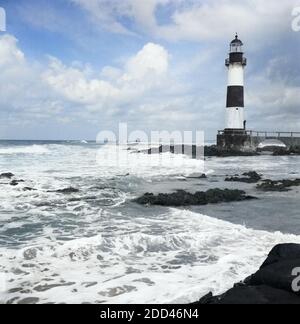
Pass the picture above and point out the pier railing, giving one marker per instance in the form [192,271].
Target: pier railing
[263,133]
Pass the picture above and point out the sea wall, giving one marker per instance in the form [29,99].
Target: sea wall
[250,143]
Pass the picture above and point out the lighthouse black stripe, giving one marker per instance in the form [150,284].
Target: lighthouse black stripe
[235,96]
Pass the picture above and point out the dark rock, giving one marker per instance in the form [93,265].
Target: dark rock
[232,152]
[215,151]
[281,185]
[281,152]
[282,252]
[193,151]
[7,175]
[277,270]
[248,177]
[295,150]
[67,191]
[252,295]
[271,284]
[206,300]
[16,182]
[183,198]
[277,275]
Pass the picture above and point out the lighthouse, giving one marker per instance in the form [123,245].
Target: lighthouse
[236,63]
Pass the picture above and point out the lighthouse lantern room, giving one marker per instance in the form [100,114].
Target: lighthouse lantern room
[236,64]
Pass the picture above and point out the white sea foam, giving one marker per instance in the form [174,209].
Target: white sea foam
[196,254]
[34,149]
[144,165]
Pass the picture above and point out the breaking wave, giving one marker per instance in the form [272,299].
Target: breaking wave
[34,149]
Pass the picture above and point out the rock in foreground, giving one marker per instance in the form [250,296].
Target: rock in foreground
[274,283]
[183,198]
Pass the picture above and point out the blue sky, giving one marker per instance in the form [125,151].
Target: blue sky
[72,68]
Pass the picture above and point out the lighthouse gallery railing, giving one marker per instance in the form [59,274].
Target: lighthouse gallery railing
[265,134]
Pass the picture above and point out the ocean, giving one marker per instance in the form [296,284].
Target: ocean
[97,246]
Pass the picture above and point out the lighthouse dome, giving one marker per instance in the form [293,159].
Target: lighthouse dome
[237,41]
[236,45]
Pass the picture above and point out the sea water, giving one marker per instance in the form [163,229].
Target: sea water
[97,246]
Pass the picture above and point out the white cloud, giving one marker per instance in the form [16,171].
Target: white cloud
[194,20]
[31,93]
[141,74]
[217,19]
[9,52]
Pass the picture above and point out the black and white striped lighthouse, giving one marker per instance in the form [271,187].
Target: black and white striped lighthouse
[236,64]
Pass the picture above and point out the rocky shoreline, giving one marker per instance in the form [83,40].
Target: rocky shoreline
[213,151]
[182,198]
[276,282]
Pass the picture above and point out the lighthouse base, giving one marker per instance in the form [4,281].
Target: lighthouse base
[235,140]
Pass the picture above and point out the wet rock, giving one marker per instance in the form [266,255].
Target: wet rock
[68,191]
[214,151]
[295,150]
[281,152]
[252,295]
[271,284]
[281,185]
[231,152]
[16,182]
[183,198]
[7,175]
[248,177]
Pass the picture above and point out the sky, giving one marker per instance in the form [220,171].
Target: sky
[73,68]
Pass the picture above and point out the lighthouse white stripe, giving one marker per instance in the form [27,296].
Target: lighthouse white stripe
[235,118]
[235,75]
